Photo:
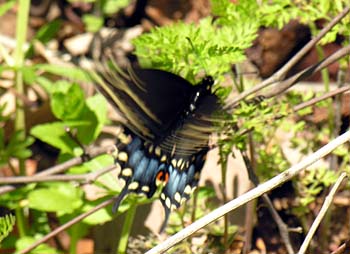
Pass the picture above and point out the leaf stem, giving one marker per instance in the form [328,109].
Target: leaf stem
[21,32]
[21,223]
[74,239]
[123,242]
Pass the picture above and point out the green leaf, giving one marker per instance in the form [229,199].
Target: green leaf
[55,135]
[48,31]
[188,49]
[46,83]
[44,34]
[6,225]
[59,197]
[18,145]
[73,73]
[96,163]
[29,74]
[67,100]
[99,217]
[98,105]
[14,199]
[87,133]
[92,22]
[96,114]
[5,7]
[26,241]
[110,7]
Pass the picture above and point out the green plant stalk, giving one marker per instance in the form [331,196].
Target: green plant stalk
[129,218]
[74,238]
[21,222]
[21,32]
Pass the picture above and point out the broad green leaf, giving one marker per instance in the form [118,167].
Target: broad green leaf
[99,217]
[60,197]
[98,105]
[67,100]
[26,241]
[55,135]
[96,163]
[96,114]
[86,134]
[73,73]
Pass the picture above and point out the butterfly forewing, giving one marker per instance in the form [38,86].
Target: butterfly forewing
[152,101]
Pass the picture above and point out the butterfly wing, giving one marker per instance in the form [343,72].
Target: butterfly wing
[150,100]
[141,166]
[190,143]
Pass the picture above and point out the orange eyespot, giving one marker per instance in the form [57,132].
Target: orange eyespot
[162,176]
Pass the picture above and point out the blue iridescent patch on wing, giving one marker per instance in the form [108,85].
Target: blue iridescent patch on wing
[183,179]
[141,171]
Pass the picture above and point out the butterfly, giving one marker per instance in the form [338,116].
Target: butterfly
[167,122]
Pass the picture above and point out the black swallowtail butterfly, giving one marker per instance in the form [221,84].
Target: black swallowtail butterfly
[167,125]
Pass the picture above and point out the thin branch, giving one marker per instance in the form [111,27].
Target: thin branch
[62,167]
[284,85]
[342,248]
[320,98]
[67,225]
[281,73]
[75,161]
[304,105]
[250,195]
[327,203]
[282,227]
[87,178]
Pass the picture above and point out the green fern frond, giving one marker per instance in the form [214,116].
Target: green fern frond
[6,225]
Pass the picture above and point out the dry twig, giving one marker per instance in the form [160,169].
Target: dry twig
[250,195]
[284,85]
[281,73]
[85,178]
[327,203]
[67,225]
[61,167]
